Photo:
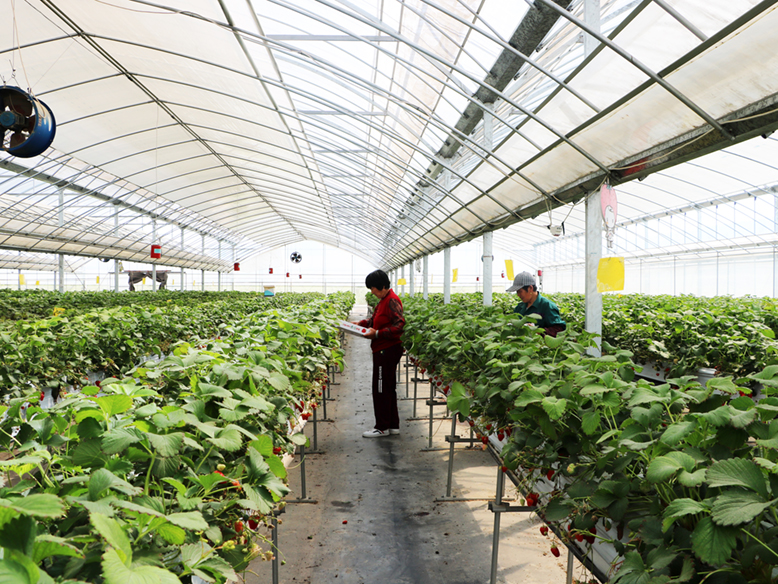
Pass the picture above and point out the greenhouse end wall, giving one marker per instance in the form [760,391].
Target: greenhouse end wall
[752,274]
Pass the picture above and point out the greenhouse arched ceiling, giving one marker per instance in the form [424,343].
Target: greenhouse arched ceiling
[388,128]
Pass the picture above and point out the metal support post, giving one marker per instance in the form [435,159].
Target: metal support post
[219,272]
[154,264]
[61,223]
[202,272]
[116,262]
[431,402]
[447,275]
[593,254]
[425,279]
[570,564]
[411,277]
[487,260]
[183,285]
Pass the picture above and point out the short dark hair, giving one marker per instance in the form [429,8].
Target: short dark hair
[534,288]
[377,279]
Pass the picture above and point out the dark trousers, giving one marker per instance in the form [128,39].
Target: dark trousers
[385,387]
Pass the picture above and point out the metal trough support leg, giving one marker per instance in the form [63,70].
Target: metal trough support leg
[274,523]
[451,455]
[496,532]
[415,388]
[432,399]
[407,366]
[315,427]
[570,557]
[324,401]
[302,472]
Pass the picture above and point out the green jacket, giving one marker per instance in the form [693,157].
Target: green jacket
[545,308]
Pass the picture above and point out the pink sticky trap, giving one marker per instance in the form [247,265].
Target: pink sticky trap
[609,205]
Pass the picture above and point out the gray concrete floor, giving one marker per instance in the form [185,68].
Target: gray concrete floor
[376,520]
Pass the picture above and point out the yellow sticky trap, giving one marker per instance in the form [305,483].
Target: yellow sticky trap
[455,276]
[21,279]
[172,282]
[401,282]
[144,281]
[610,275]
[98,279]
[509,270]
[37,282]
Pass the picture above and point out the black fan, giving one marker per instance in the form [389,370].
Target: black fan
[296,257]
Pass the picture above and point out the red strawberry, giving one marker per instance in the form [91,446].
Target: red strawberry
[43,395]
[98,382]
[305,416]
[488,426]
[253,524]
[471,422]
[579,537]
[555,551]
[484,439]
[238,526]
[543,530]
[345,521]
[218,472]
[277,450]
[504,468]
[549,474]
[500,436]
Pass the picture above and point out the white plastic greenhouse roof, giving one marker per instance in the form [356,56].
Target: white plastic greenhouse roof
[361,125]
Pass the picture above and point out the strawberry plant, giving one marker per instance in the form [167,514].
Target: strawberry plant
[171,471]
[678,478]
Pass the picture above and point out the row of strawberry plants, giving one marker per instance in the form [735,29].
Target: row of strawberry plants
[59,351]
[171,471]
[680,479]
[37,304]
[681,334]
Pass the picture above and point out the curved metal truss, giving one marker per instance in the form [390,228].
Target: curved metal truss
[391,128]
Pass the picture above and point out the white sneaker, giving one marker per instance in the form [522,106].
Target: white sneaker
[394,431]
[375,433]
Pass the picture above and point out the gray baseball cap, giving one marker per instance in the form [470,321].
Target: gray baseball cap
[523,279]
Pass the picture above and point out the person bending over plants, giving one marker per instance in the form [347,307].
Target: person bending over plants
[532,302]
[386,326]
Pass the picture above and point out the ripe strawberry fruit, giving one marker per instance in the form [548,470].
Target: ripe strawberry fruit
[238,526]
[549,474]
[471,422]
[500,436]
[504,468]
[543,530]
[277,450]
[555,551]
[484,439]
[253,524]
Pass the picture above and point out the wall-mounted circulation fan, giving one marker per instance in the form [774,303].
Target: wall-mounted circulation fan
[296,257]
[27,123]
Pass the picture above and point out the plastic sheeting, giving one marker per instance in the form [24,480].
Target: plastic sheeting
[261,124]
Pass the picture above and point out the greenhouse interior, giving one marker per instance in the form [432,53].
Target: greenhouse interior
[389,292]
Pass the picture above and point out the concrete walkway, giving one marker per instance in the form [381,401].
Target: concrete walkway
[376,520]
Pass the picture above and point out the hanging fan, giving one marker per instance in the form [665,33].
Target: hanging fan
[27,123]
[296,257]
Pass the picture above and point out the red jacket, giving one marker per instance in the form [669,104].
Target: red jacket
[388,320]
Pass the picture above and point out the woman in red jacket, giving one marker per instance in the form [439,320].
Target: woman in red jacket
[386,326]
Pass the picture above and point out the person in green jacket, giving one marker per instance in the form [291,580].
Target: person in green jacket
[532,302]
